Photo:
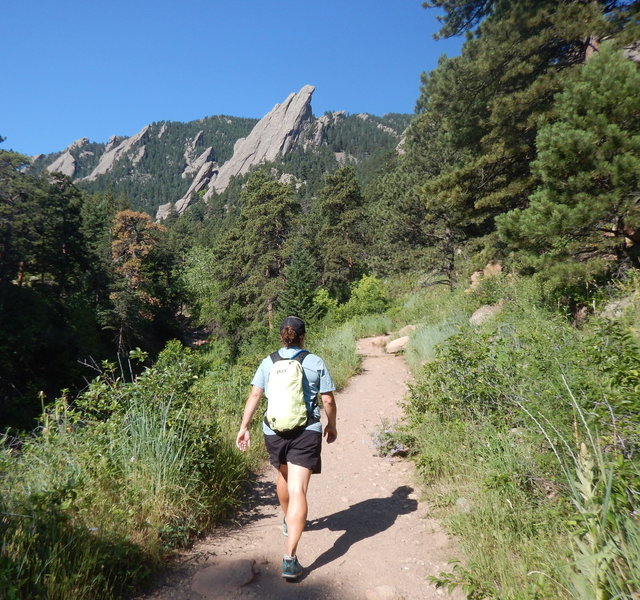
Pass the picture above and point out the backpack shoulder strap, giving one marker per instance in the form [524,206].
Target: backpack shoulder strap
[300,356]
[275,357]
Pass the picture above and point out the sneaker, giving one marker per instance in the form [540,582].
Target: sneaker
[285,531]
[291,568]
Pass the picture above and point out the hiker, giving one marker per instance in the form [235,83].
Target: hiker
[293,443]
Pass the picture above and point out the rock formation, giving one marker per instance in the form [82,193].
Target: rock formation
[66,162]
[195,164]
[208,169]
[273,136]
[116,148]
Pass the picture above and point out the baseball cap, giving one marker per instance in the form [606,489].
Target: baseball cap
[295,323]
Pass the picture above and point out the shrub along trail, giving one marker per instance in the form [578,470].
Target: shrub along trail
[369,536]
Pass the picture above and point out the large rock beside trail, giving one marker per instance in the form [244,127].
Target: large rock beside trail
[273,136]
[223,577]
[486,313]
[407,329]
[397,345]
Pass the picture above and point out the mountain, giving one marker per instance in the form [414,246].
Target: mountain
[166,164]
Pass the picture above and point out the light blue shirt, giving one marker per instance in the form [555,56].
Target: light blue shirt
[316,380]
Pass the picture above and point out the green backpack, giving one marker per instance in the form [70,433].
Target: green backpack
[286,408]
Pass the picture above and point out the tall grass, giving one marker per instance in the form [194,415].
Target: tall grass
[424,341]
[606,498]
[338,349]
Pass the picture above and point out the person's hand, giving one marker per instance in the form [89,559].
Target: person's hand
[331,433]
[243,439]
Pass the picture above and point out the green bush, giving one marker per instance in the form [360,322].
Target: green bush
[496,417]
[113,481]
[368,296]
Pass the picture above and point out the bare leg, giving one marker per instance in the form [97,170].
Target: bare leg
[282,489]
[297,484]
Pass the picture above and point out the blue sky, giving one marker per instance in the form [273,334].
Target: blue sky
[72,69]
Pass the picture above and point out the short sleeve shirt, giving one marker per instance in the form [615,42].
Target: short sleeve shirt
[316,380]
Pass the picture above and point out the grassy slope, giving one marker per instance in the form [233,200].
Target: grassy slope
[525,432]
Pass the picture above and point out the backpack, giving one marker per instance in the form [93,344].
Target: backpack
[286,408]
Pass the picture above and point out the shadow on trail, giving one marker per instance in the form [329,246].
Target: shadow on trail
[360,521]
[258,493]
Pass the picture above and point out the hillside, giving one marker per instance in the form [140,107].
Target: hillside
[167,162]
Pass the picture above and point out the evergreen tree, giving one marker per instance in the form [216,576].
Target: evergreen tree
[251,256]
[584,218]
[300,287]
[479,113]
[337,218]
[139,291]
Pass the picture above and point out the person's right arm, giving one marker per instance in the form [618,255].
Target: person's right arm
[330,409]
[243,439]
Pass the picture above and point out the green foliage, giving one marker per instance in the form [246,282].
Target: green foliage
[114,481]
[469,151]
[300,288]
[336,221]
[579,222]
[324,303]
[368,296]
[495,419]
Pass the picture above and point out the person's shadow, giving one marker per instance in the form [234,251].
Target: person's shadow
[360,521]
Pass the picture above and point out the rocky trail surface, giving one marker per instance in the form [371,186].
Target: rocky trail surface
[368,537]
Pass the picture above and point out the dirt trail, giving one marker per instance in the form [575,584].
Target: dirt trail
[369,536]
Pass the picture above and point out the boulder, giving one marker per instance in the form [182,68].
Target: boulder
[407,329]
[485,313]
[380,341]
[614,310]
[224,577]
[476,278]
[491,269]
[397,345]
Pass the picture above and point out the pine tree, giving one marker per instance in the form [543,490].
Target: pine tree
[252,254]
[337,218]
[584,218]
[139,290]
[300,288]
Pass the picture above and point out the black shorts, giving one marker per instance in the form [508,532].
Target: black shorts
[302,449]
